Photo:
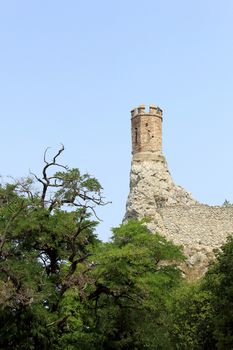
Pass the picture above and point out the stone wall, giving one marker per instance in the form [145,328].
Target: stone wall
[174,213]
[200,229]
[199,225]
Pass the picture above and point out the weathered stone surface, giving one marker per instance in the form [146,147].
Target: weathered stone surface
[173,212]
[152,188]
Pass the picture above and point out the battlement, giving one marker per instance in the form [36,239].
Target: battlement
[141,110]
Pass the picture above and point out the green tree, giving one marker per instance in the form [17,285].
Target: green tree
[134,276]
[219,282]
[46,234]
[191,317]
[62,289]
[202,313]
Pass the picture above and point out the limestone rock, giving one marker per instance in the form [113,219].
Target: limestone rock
[152,188]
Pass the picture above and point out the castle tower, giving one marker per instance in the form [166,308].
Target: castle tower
[146,130]
[151,184]
[173,212]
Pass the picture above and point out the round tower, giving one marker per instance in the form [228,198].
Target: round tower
[146,129]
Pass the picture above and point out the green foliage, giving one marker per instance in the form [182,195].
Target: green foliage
[227,203]
[43,254]
[25,328]
[72,182]
[62,289]
[219,282]
[134,276]
[191,318]
[202,313]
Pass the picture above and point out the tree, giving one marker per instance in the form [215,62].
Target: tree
[63,289]
[191,318]
[202,313]
[134,276]
[45,237]
[219,282]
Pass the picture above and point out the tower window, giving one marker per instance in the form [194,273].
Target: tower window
[136,135]
[148,135]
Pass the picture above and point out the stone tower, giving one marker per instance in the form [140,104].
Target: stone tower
[173,212]
[151,185]
[146,130]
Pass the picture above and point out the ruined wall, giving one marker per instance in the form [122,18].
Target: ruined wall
[199,225]
[200,229]
[175,214]
[173,211]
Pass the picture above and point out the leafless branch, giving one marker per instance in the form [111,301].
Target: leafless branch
[46,180]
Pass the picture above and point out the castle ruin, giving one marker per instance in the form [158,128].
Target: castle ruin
[173,211]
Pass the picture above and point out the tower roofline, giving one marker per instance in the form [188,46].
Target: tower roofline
[141,110]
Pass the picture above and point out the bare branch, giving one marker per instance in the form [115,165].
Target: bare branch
[36,177]
[46,183]
[60,323]
[45,152]
[58,153]
[79,196]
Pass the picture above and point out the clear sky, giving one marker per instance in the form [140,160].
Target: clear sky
[71,71]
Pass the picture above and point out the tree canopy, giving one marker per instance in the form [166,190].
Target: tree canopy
[46,235]
[62,288]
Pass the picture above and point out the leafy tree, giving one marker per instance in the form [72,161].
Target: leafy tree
[45,237]
[62,289]
[191,316]
[202,313]
[219,282]
[134,276]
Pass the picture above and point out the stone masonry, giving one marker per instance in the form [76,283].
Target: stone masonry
[173,211]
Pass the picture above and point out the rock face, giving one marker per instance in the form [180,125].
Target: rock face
[173,212]
[152,188]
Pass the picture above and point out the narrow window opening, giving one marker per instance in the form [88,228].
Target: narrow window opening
[148,135]
[136,135]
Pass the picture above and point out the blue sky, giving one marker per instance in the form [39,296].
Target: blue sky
[71,71]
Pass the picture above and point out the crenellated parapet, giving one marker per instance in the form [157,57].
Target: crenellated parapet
[141,110]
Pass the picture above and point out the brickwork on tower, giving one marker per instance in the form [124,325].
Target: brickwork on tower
[146,129]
